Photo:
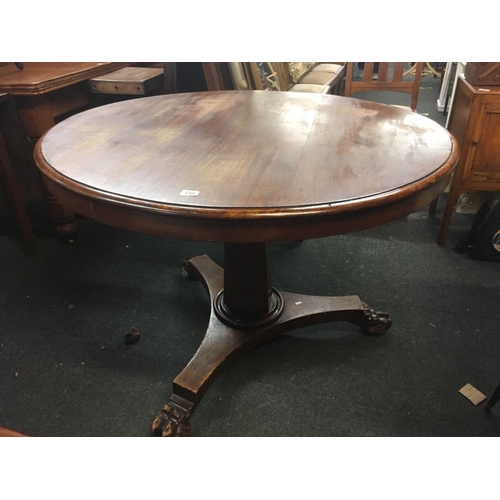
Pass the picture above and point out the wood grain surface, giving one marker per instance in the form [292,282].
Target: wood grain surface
[249,156]
[42,77]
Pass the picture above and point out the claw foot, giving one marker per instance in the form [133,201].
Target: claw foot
[374,322]
[172,420]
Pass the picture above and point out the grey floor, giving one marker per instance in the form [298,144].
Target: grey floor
[66,371]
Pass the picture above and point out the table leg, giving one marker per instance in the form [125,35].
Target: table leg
[246,311]
[37,116]
[14,194]
[453,196]
[63,217]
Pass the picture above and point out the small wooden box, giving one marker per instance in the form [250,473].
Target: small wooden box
[483,73]
[128,81]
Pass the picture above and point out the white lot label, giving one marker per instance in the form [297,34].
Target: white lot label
[187,192]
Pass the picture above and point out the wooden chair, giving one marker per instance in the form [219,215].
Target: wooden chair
[383,82]
[386,80]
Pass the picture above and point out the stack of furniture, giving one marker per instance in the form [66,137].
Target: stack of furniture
[321,78]
[313,77]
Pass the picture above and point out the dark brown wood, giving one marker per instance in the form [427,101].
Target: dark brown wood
[216,76]
[248,299]
[383,82]
[482,73]
[170,77]
[475,122]
[222,344]
[14,194]
[16,201]
[36,114]
[246,168]
[433,207]
[261,162]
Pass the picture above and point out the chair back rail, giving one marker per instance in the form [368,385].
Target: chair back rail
[384,81]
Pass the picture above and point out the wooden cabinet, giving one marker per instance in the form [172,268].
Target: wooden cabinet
[475,122]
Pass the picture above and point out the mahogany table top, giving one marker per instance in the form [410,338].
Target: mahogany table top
[247,155]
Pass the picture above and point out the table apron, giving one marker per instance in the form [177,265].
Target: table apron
[247,230]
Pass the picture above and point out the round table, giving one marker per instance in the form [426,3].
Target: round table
[246,168]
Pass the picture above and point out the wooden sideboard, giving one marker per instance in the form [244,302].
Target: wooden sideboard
[475,122]
[45,92]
